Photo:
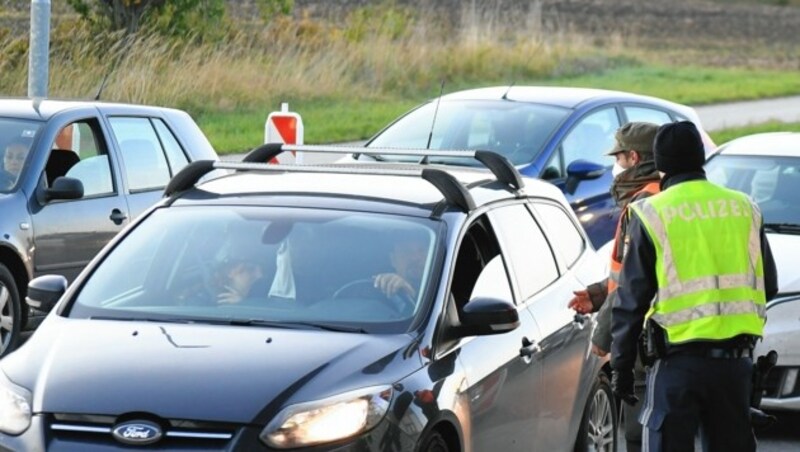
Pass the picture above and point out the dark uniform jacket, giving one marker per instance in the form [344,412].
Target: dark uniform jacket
[638,284]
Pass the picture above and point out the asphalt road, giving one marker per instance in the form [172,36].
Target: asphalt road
[736,114]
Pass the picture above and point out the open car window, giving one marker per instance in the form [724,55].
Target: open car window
[245,264]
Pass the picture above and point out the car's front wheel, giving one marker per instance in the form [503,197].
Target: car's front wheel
[434,442]
[598,431]
[10,312]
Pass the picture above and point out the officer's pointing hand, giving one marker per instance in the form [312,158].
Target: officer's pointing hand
[622,386]
[581,303]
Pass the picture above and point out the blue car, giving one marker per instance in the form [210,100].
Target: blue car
[553,133]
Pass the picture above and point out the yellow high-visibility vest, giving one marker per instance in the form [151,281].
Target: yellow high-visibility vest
[708,262]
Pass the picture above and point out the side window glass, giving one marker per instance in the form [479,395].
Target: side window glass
[175,155]
[554,169]
[526,249]
[142,156]
[591,138]
[563,233]
[642,114]
[78,152]
[480,270]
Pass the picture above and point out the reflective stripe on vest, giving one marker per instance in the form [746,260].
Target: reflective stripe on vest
[681,302]
[615,265]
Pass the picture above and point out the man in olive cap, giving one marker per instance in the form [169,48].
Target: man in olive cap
[635,178]
[699,271]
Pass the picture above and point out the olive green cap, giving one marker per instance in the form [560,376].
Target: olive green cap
[634,136]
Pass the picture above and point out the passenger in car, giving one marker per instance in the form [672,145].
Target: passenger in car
[239,277]
[62,156]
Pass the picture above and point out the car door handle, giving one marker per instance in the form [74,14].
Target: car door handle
[529,348]
[118,216]
[580,320]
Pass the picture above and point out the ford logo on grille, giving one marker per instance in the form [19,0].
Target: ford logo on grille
[137,432]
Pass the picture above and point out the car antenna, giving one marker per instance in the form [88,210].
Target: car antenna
[122,54]
[433,122]
[37,102]
[505,94]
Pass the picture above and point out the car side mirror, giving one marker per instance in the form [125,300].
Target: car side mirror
[580,170]
[484,316]
[65,188]
[45,291]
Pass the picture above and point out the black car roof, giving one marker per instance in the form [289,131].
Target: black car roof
[401,185]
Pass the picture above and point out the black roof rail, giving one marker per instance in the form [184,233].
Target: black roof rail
[453,191]
[188,176]
[263,153]
[502,169]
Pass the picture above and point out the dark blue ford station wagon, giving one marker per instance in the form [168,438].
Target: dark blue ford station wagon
[343,307]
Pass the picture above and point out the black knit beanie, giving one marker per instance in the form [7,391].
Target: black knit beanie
[678,148]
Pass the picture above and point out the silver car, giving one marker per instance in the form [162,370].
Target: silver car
[766,166]
[72,175]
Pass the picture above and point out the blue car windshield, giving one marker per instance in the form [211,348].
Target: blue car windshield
[517,130]
[772,182]
[16,138]
[282,267]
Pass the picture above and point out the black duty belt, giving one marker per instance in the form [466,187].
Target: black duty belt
[712,352]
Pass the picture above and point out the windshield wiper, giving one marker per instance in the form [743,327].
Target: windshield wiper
[783,227]
[141,319]
[280,324]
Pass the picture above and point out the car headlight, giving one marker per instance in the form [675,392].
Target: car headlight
[15,407]
[328,420]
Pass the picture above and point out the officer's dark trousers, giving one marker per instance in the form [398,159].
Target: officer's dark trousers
[685,393]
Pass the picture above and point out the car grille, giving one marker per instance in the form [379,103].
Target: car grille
[177,434]
[782,382]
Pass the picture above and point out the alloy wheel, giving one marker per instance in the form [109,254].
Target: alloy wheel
[601,423]
[6,318]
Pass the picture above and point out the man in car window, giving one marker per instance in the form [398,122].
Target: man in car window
[635,178]
[408,256]
[698,271]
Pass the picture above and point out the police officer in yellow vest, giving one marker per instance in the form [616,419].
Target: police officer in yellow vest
[698,271]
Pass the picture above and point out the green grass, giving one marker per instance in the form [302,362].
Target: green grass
[323,122]
[692,85]
[725,135]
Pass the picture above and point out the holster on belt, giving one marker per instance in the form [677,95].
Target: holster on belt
[652,343]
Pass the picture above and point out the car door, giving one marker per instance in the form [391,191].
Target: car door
[503,380]
[545,294]
[68,233]
[588,141]
[149,154]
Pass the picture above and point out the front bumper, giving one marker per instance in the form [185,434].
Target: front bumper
[41,436]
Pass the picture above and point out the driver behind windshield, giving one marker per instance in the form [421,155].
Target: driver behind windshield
[407,257]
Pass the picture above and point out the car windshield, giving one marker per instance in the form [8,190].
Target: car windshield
[773,182]
[281,267]
[16,138]
[517,130]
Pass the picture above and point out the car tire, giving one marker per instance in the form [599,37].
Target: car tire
[434,442]
[10,312]
[598,430]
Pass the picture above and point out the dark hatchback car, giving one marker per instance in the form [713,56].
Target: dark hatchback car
[558,134]
[342,307]
[72,175]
